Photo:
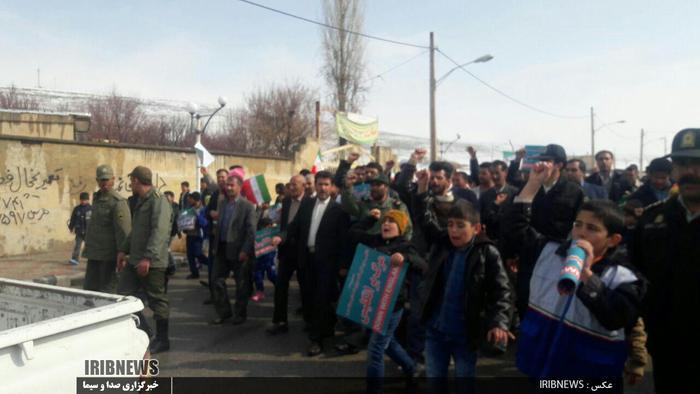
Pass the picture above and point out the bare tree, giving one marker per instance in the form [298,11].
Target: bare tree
[344,53]
[12,99]
[273,121]
[116,118]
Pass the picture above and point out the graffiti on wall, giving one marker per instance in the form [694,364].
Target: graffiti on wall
[22,188]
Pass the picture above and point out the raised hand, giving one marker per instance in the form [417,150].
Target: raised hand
[352,157]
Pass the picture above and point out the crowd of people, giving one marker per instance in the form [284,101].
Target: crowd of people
[485,251]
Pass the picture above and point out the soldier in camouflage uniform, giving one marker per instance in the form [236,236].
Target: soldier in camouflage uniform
[378,198]
[147,247]
[109,225]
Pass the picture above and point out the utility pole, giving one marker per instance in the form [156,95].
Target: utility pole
[318,120]
[641,151]
[38,78]
[592,141]
[433,131]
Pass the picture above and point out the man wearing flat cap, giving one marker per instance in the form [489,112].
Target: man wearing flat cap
[109,225]
[147,250]
[666,249]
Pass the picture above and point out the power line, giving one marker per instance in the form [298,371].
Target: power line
[334,27]
[397,66]
[506,95]
[607,125]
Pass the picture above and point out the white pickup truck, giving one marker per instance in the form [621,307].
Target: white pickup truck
[47,333]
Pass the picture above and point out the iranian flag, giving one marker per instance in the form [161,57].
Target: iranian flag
[317,163]
[255,190]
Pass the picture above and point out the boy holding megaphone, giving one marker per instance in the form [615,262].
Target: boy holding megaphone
[584,296]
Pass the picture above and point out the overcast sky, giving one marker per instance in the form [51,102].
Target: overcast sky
[631,60]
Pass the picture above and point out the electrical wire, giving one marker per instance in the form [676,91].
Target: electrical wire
[334,27]
[506,95]
[396,66]
[607,125]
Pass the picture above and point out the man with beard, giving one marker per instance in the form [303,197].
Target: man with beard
[378,198]
[493,200]
[430,202]
[234,251]
[319,233]
[217,199]
[665,248]
[612,180]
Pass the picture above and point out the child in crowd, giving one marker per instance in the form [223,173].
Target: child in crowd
[78,224]
[390,241]
[467,286]
[582,334]
[264,264]
[195,233]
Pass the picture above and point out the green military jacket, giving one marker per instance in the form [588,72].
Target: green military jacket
[150,232]
[108,226]
[360,209]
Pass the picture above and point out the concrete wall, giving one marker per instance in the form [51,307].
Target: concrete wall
[41,125]
[40,180]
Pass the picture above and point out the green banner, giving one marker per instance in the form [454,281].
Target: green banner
[356,128]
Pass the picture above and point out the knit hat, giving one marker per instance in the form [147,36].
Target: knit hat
[399,217]
[237,172]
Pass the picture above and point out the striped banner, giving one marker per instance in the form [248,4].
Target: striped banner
[255,190]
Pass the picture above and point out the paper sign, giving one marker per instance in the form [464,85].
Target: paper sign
[371,289]
[263,241]
[360,191]
[531,152]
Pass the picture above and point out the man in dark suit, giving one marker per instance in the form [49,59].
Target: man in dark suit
[234,248]
[575,172]
[320,231]
[492,201]
[288,263]
[611,180]
[185,191]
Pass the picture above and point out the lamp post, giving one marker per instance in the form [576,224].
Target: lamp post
[443,151]
[594,130]
[433,87]
[195,121]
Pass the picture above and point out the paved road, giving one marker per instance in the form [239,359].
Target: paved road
[199,349]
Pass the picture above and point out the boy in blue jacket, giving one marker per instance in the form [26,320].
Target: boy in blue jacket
[582,335]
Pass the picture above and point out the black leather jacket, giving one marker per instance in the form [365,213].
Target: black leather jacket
[487,294]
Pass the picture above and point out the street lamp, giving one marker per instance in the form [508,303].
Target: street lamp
[594,130]
[482,59]
[443,151]
[433,87]
[192,109]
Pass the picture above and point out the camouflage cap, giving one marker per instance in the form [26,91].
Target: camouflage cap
[104,172]
[686,143]
[381,178]
[143,174]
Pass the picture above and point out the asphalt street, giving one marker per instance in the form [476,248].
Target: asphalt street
[199,349]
